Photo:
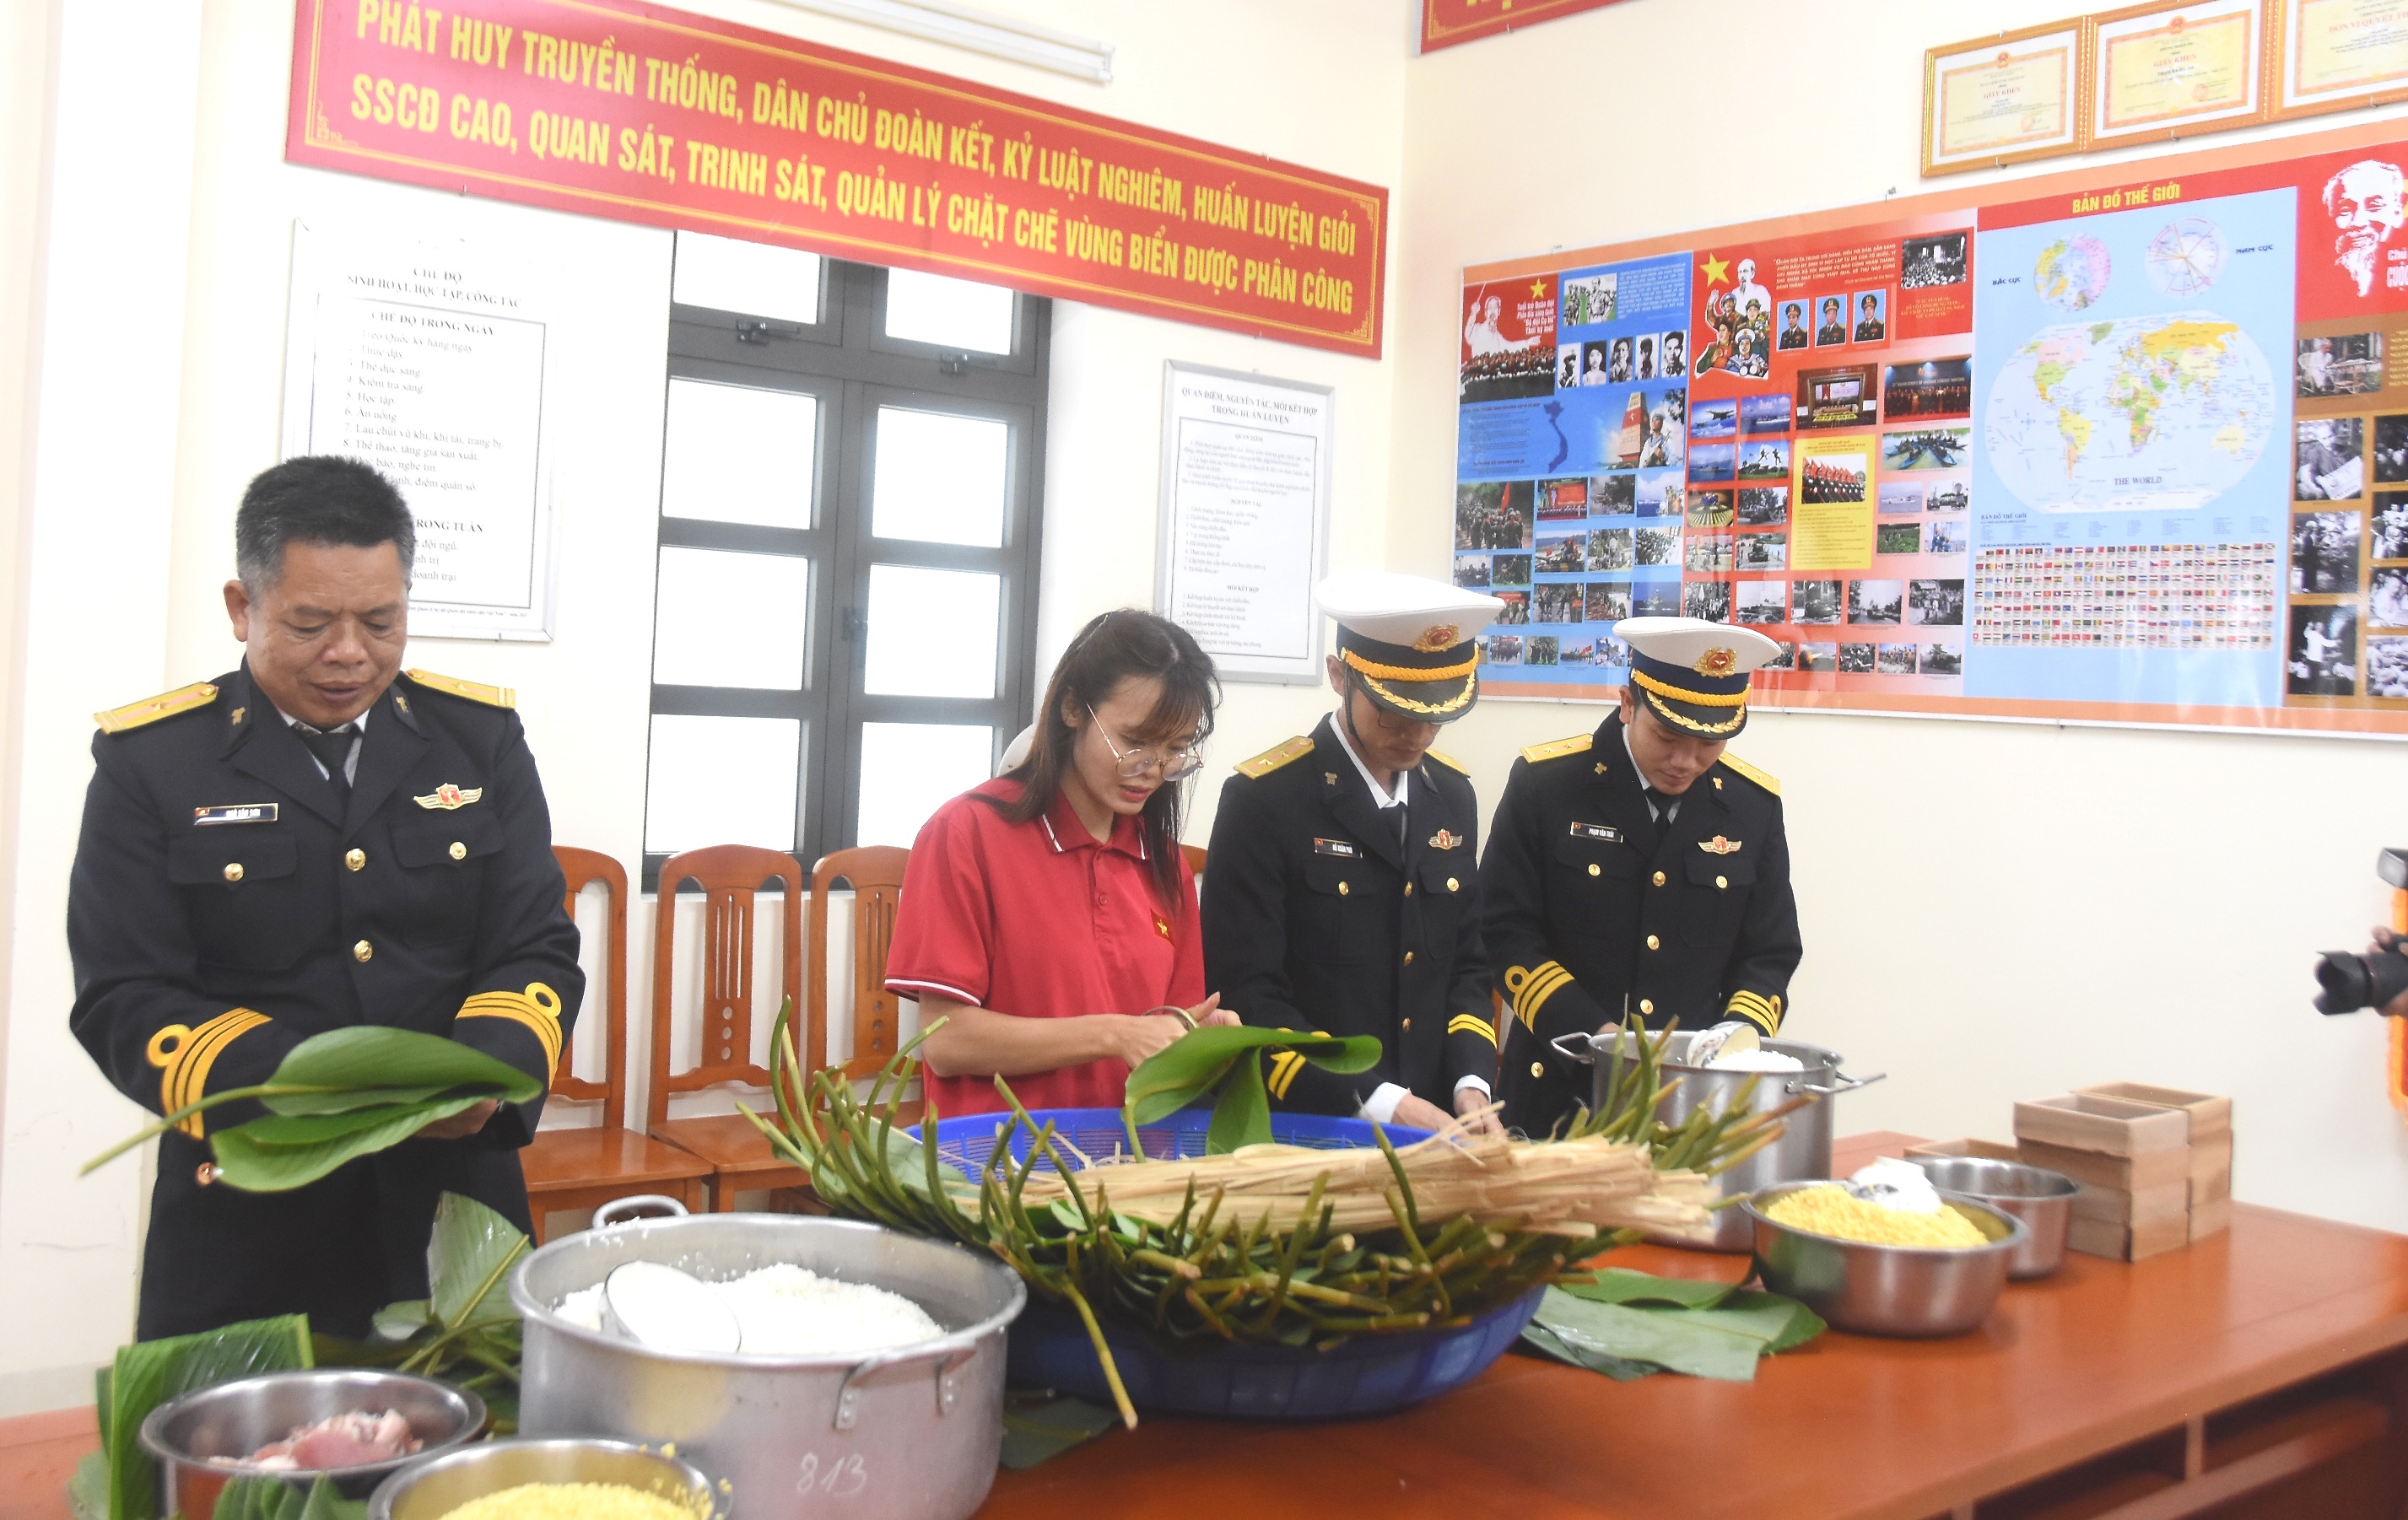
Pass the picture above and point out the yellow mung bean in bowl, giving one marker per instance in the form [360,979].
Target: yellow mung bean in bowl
[1833,1211]
[572,1502]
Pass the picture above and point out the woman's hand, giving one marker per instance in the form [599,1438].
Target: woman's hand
[1148,1033]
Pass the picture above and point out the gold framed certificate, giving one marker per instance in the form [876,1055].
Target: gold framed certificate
[2165,70]
[2004,99]
[2334,55]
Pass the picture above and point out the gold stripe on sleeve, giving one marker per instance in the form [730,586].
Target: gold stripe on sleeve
[1284,1065]
[1473,1023]
[184,1057]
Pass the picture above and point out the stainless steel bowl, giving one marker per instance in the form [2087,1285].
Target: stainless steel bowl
[431,1487]
[1886,1289]
[2042,1199]
[232,1420]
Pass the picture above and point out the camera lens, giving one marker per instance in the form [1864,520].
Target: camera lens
[2352,981]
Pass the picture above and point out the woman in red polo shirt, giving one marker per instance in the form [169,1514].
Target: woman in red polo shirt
[1047,915]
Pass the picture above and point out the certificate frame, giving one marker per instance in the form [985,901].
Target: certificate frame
[1246,400]
[2115,122]
[2287,98]
[1956,62]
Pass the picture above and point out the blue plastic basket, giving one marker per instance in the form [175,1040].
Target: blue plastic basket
[1369,1374]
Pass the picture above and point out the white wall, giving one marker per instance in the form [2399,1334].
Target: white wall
[1991,911]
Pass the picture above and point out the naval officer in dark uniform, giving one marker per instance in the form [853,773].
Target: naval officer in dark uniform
[311,842]
[1340,893]
[1640,871]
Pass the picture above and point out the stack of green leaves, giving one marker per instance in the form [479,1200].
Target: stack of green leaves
[1628,1325]
[340,1096]
[1224,1062]
[465,1330]
[148,1373]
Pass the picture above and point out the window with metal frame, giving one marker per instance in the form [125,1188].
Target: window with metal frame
[851,471]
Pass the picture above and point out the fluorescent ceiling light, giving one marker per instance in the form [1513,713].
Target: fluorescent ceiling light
[981,30]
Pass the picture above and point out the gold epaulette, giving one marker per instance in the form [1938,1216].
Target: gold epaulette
[1558,749]
[200,693]
[493,696]
[1449,761]
[1740,768]
[1274,757]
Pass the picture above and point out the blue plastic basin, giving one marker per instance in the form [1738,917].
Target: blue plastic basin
[1369,1374]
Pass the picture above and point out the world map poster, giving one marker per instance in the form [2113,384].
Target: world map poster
[2107,450]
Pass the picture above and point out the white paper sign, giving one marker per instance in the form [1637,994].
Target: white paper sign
[428,362]
[1245,518]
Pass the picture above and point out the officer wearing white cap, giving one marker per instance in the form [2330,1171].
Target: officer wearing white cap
[1341,893]
[1640,871]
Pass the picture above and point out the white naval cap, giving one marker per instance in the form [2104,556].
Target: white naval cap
[1694,674]
[1408,640]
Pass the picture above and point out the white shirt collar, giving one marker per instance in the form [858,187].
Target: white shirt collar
[1645,782]
[351,761]
[360,722]
[1380,798]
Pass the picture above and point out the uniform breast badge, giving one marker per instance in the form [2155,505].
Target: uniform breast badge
[1443,839]
[447,796]
[1719,846]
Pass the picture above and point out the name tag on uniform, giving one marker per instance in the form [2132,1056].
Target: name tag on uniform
[1336,847]
[235,812]
[1598,831]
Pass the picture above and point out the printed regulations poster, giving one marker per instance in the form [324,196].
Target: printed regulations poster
[2123,450]
[428,362]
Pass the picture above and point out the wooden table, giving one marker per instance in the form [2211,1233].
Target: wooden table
[2262,1370]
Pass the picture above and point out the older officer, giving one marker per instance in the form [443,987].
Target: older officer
[308,843]
[1640,870]
[1341,894]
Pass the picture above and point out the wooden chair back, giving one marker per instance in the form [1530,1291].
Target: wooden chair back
[583,867]
[875,874]
[1194,854]
[731,877]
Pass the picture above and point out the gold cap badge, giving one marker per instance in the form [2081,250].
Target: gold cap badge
[447,796]
[1438,637]
[1717,662]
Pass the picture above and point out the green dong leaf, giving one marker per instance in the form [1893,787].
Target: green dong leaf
[368,1062]
[1242,1113]
[468,1262]
[148,1373]
[1185,1071]
[269,1155]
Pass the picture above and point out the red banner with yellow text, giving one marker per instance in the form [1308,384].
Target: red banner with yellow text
[640,113]
[1446,22]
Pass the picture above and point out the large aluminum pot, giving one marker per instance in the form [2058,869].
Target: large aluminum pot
[201,1439]
[913,1431]
[1803,1151]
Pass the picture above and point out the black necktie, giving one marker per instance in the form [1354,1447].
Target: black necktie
[332,748]
[1663,806]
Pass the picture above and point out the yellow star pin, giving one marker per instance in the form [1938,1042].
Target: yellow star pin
[1538,290]
[1717,270]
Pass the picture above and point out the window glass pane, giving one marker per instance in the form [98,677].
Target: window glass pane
[938,477]
[910,769]
[932,633]
[730,620]
[721,780]
[727,274]
[738,453]
[954,313]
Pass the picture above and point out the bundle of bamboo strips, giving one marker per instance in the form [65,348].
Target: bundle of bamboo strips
[1575,1187]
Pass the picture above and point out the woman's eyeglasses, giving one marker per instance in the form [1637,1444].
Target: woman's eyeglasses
[1135,762]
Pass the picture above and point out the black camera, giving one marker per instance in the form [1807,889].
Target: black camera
[2352,981]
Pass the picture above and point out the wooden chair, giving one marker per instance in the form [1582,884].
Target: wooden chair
[875,874]
[1194,854]
[730,876]
[587,1168]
